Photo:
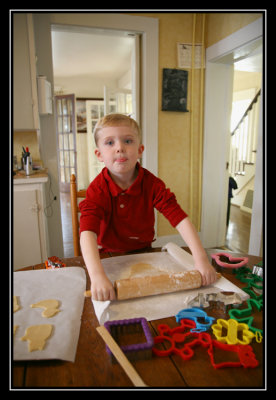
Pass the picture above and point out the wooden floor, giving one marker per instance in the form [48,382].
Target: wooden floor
[238,232]
[237,238]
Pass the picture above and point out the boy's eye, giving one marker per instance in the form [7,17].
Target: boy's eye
[128,141]
[109,142]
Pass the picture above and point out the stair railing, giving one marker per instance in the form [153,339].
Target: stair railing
[244,139]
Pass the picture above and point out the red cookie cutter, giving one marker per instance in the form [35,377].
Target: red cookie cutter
[245,353]
[54,262]
[176,336]
[233,262]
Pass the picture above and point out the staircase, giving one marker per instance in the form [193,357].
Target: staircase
[244,139]
[243,154]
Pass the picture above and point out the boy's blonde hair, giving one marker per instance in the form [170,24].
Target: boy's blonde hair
[116,120]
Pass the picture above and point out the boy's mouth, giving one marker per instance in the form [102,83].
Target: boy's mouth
[121,160]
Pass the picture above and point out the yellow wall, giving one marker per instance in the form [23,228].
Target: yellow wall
[175,158]
[220,25]
[26,139]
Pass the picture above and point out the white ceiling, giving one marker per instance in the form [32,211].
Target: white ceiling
[83,51]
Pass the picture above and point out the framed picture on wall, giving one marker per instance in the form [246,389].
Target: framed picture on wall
[174,90]
[81,113]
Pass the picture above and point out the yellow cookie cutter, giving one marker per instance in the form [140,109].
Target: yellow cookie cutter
[232,328]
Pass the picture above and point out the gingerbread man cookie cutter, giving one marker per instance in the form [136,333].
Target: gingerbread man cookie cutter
[177,336]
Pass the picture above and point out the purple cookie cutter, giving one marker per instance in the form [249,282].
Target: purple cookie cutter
[128,326]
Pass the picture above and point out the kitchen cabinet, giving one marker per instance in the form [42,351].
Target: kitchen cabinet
[29,222]
[25,102]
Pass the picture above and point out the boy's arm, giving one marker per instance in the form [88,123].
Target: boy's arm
[101,287]
[190,236]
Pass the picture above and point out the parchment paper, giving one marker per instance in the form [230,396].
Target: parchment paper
[174,259]
[66,285]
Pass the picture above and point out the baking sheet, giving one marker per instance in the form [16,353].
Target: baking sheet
[172,259]
[66,285]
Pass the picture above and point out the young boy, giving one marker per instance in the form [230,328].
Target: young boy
[118,212]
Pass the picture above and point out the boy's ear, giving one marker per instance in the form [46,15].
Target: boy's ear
[141,149]
[98,154]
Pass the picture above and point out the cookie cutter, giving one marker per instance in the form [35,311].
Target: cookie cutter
[227,298]
[245,353]
[54,262]
[232,328]
[257,270]
[227,261]
[176,336]
[194,314]
[249,289]
[244,315]
[248,276]
[128,326]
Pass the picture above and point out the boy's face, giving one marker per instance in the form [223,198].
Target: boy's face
[119,148]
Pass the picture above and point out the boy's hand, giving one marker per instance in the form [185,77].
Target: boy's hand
[208,273]
[101,288]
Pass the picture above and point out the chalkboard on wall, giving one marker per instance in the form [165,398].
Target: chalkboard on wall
[174,90]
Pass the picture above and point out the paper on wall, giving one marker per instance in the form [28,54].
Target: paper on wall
[160,306]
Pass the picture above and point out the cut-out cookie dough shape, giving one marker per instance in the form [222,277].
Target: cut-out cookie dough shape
[50,306]
[36,335]
[16,305]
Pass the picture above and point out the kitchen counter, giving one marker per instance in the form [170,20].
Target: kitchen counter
[40,176]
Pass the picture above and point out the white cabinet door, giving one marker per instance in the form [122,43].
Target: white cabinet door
[26,236]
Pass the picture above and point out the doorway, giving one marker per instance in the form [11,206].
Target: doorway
[111,60]
[218,100]
[243,145]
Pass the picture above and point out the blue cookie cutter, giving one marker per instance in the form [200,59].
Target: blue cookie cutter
[194,314]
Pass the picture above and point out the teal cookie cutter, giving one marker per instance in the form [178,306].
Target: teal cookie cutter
[195,314]
[245,315]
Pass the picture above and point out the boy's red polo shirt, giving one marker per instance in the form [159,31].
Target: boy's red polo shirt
[123,220]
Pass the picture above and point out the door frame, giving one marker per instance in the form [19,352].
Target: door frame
[215,156]
[148,29]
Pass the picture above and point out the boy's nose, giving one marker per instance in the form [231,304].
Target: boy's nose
[120,147]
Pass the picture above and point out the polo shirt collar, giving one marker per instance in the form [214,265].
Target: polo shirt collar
[133,190]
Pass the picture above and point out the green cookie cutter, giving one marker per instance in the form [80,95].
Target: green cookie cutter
[244,316]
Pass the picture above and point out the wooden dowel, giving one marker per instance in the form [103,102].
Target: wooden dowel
[120,357]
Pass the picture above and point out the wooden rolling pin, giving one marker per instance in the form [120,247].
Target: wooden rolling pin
[157,284]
